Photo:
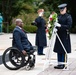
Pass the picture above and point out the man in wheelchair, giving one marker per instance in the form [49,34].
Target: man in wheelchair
[21,53]
[20,39]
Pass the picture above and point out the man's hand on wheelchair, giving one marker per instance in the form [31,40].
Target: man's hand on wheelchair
[24,52]
[57,24]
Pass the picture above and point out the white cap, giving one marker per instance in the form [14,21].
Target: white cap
[18,20]
[62,6]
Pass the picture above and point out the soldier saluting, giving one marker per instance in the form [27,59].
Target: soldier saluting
[65,23]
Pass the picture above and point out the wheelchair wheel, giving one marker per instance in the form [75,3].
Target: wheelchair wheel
[13,59]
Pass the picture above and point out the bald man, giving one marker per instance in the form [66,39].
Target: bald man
[20,39]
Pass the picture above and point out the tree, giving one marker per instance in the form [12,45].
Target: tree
[12,8]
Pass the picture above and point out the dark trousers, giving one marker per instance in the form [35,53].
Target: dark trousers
[61,57]
[40,50]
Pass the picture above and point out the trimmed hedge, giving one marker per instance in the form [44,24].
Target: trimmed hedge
[30,28]
[27,28]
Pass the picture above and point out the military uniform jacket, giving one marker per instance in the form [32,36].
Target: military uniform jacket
[40,34]
[63,32]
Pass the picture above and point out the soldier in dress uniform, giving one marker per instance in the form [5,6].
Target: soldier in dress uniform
[64,23]
[40,34]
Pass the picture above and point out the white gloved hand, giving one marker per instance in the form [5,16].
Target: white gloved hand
[57,24]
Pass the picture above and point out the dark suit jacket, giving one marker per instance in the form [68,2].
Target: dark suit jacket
[20,40]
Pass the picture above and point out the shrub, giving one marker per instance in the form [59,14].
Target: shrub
[27,18]
[28,28]
[11,28]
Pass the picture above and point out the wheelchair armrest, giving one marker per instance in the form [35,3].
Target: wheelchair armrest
[30,52]
[35,48]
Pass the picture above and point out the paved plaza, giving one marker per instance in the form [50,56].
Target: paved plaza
[39,69]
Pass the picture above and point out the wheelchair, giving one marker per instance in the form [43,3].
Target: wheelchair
[14,59]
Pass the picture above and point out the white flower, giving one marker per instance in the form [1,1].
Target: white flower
[50,16]
[49,25]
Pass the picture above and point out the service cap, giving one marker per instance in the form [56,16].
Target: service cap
[62,6]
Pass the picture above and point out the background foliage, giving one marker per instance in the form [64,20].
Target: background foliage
[27,11]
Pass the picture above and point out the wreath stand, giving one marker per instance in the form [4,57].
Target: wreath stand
[51,47]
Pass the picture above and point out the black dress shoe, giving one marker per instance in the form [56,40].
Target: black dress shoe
[41,54]
[59,67]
